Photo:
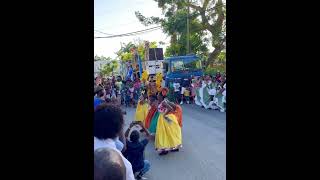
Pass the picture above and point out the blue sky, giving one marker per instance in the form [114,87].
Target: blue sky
[117,17]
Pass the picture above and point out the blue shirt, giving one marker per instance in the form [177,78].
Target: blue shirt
[118,143]
[97,101]
[134,154]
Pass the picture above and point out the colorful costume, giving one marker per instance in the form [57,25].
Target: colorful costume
[141,112]
[159,79]
[206,98]
[144,76]
[154,123]
[178,114]
[149,117]
[168,136]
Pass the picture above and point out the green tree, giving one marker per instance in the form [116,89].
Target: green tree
[222,57]
[101,58]
[207,16]
[125,53]
[109,68]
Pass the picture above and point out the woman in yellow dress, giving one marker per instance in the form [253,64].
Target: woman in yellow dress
[142,108]
[168,136]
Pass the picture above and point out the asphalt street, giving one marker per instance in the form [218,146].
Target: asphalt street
[203,155]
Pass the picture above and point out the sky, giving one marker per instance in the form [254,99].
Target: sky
[117,17]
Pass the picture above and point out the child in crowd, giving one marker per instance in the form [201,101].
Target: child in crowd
[187,95]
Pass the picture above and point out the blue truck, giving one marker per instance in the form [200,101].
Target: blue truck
[181,67]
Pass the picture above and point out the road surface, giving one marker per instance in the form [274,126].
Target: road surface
[203,155]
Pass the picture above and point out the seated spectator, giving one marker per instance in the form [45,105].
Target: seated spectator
[135,151]
[108,126]
[108,165]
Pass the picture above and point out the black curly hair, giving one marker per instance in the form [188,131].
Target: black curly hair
[108,121]
[134,136]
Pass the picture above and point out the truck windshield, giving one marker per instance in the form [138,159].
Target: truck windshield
[180,65]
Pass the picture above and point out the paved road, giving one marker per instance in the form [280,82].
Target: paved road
[203,155]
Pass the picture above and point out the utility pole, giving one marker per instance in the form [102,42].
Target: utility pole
[188,31]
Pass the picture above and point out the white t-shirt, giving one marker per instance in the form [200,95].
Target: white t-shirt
[111,144]
[176,87]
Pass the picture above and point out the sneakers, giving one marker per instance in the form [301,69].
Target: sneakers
[181,102]
[140,176]
[188,102]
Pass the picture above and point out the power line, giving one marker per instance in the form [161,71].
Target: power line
[103,32]
[132,33]
[142,31]
[121,25]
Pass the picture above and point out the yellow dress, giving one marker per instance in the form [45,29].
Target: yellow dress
[168,136]
[141,112]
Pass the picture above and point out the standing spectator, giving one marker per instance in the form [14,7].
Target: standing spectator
[218,77]
[193,89]
[185,84]
[176,86]
[98,82]
[131,91]
[108,125]
[100,96]
[108,89]
[136,86]
[130,73]
[118,87]
[108,165]
[137,72]
[186,95]
[135,150]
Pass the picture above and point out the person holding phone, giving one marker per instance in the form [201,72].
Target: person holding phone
[135,150]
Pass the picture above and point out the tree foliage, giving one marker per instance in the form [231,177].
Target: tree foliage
[125,53]
[109,67]
[206,16]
